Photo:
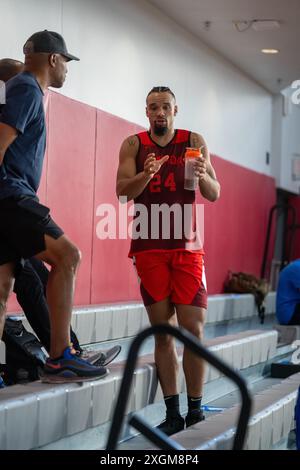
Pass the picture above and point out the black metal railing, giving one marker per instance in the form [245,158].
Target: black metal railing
[289,231]
[154,434]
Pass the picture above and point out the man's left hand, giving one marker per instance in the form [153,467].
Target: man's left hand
[200,168]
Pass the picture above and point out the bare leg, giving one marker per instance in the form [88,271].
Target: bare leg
[6,285]
[30,288]
[165,352]
[64,259]
[192,319]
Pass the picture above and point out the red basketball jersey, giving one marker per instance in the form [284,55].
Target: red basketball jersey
[157,222]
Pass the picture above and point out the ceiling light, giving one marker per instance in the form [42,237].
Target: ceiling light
[270,51]
[265,25]
[257,25]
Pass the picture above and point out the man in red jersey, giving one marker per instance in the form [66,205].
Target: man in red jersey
[173,287]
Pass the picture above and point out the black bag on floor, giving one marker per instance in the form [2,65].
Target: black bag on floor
[25,357]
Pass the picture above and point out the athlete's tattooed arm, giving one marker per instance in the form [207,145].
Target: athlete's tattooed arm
[208,183]
[130,184]
[131,141]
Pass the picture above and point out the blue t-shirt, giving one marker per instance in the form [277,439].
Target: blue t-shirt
[21,169]
[288,292]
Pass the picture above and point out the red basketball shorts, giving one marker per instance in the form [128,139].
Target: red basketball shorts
[178,275]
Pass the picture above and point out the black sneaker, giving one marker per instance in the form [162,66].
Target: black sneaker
[172,424]
[194,417]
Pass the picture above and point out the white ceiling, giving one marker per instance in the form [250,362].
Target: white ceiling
[274,72]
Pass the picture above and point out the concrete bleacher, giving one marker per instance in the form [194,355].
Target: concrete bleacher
[272,420]
[24,409]
[36,403]
[108,322]
[288,333]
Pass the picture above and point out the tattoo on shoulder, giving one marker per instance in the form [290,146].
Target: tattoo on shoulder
[195,140]
[131,141]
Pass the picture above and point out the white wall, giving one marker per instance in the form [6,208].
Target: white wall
[276,148]
[128,46]
[290,143]
[285,140]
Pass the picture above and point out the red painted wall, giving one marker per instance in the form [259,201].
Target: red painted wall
[113,278]
[79,175]
[236,224]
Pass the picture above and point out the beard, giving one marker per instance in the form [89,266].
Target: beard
[160,130]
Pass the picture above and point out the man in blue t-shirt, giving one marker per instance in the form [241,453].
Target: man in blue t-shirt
[26,228]
[288,295]
[31,278]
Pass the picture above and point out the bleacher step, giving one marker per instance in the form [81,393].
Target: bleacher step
[25,409]
[98,323]
[272,420]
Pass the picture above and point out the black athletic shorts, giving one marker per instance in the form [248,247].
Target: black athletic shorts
[23,225]
[295,320]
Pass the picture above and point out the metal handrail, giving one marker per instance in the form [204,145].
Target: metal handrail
[286,208]
[288,242]
[155,435]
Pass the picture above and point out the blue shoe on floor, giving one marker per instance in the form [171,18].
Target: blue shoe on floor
[71,368]
[2,384]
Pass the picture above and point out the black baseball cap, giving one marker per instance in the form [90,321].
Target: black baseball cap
[48,42]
